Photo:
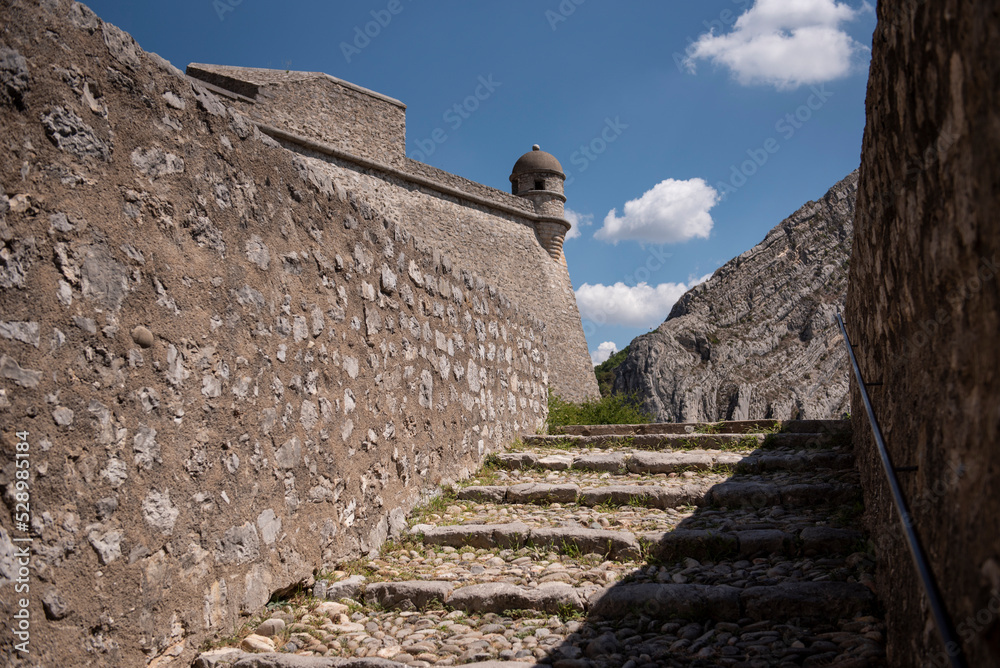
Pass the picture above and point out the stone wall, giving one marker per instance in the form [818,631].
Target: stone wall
[498,197]
[923,309]
[500,234]
[229,365]
[504,247]
[317,106]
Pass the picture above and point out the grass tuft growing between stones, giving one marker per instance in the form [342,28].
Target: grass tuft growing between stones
[360,566]
[487,473]
[285,601]
[639,501]
[436,505]
[568,613]
[709,428]
[571,550]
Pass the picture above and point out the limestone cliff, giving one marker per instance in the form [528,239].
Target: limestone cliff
[757,340]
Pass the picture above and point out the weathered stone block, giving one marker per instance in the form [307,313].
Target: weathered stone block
[542,493]
[418,594]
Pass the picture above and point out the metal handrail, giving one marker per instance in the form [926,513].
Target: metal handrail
[953,648]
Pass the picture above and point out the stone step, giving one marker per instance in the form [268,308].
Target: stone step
[229,657]
[710,493]
[737,558]
[641,461]
[663,546]
[493,641]
[616,545]
[749,519]
[659,601]
[789,600]
[622,476]
[640,519]
[738,494]
[744,442]
[725,427]
[649,496]
[633,640]
[679,544]
[234,658]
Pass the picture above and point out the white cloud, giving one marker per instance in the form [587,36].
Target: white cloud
[603,352]
[785,43]
[577,220]
[640,306]
[670,212]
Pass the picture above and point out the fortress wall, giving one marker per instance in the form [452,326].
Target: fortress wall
[310,369]
[503,247]
[499,197]
[493,242]
[317,106]
[923,311]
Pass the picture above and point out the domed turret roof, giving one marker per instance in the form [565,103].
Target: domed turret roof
[536,160]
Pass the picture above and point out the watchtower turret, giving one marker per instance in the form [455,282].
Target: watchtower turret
[539,177]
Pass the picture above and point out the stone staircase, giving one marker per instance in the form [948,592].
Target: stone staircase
[725,544]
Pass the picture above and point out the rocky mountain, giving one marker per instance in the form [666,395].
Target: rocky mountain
[758,339]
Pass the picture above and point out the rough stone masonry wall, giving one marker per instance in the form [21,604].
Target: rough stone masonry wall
[923,310]
[317,106]
[508,247]
[232,370]
[503,247]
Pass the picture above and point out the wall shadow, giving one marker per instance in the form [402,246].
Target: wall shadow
[773,571]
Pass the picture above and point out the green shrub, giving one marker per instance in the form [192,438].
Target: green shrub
[605,371]
[615,409]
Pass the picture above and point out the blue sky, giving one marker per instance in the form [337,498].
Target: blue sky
[701,125]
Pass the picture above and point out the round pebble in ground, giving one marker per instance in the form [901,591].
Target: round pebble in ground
[142,336]
[271,627]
